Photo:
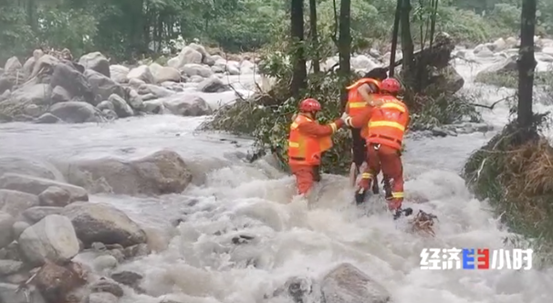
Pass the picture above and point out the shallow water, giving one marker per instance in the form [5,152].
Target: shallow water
[202,265]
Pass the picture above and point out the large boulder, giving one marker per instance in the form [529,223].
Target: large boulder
[347,284]
[163,172]
[76,112]
[11,293]
[122,108]
[29,167]
[185,104]
[74,83]
[143,73]
[96,61]
[188,55]
[103,86]
[197,70]
[167,74]
[15,202]
[6,233]
[213,85]
[51,239]
[36,186]
[119,73]
[95,222]
[56,282]
[38,94]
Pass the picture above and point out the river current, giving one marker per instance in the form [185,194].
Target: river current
[201,265]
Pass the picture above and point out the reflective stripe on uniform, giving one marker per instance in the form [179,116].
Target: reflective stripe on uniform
[366,176]
[394,106]
[333,126]
[294,125]
[348,121]
[397,195]
[293,144]
[386,124]
[357,104]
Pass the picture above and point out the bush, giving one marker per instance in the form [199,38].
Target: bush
[515,172]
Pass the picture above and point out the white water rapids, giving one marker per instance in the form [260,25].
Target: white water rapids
[201,265]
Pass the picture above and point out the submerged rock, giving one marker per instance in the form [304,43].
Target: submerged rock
[95,222]
[347,284]
[36,186]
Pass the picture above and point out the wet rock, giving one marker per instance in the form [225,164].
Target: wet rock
[188,55]
[15,202]
[119,73]
[37,213]
[104,262]
[197,70]
[19,227]
[105,105]
[505,66]
[135,100]
[54,196]
[167,74]
[6,232]
[128,278]
[483,51]
[10,293]
[55,282]
[96,61]
[60,94]
[11,252]
[163,172]
[439,132]
[8,267]
[51,239]
[154,107]
[103,86]
[95,222]
[28,167]
[75,84]
[48,119]
[76,112]
[122,108]
[35,185]
[212,85]
[346,283]
[105,285]
[143,73]
[186,104]
[300,290]
[138,250]
[38,94]
[102,297]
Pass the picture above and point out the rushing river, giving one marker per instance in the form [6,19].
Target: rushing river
[291,239]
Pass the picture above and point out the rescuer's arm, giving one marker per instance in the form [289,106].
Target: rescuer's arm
[360,119]
[366,91]
[317,130]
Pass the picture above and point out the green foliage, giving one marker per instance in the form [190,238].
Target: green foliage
[16,36]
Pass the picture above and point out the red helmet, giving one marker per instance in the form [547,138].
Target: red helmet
[310,105]
[390,85]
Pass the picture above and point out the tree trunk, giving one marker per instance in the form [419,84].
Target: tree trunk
[298,58]
[407,47]
[344,47]
[526,64]
[32,19]
[395,33]
[314,36]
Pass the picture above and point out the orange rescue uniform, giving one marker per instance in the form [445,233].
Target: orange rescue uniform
[386,127]
[307,141]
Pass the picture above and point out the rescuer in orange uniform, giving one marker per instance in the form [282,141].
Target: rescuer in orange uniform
[359,93]
[307,141]
[386,122]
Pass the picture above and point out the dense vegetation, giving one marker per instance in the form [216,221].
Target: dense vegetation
[125,28]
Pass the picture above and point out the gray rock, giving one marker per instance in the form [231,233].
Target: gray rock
[103,86]
[212,85]
[76,112]
[105,285]
[347,284]
[12,65]
[104,262]
[15,202]
[128,278]
[35,185]
[38,94]
[8,267]
[95,222]
[119,73]
[189,55]
[48,118]
[10,293]
[143,73]
[105,105]
[19,227]
[167,74]
[6,232]
[102,297]
[54,196]
[60,94]
[135,100]
[122,108]
[186,104]
[97,62]
[74,83]
[37,213]
[28,166]
[154,107]
[197,70]
[163,172]
[51,239]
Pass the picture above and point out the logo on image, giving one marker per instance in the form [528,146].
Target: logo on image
[475,258]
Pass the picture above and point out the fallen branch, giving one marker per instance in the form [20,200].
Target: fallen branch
[493,104]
